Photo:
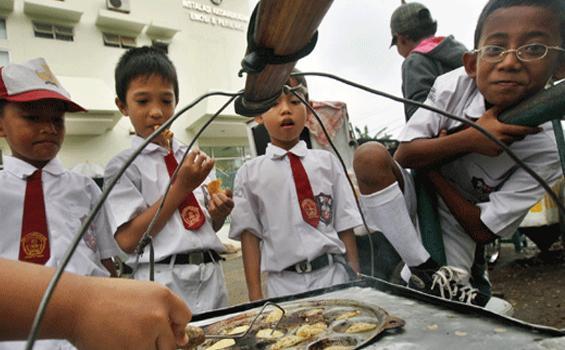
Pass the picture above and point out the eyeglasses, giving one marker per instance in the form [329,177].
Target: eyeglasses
[526,53]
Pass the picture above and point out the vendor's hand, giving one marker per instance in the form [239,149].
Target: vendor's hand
[503,132]
[220,205]
[128,314]
[194,170]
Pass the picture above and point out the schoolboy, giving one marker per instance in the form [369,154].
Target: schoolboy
[277,213]
[43,205]
[186,246]
[483,193]
[426,56]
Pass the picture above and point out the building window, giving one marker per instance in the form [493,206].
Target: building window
[160,45]
[4,58]
[227,161]
[3,34]
[53,31]
[115,40]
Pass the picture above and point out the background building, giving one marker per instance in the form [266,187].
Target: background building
[82,41]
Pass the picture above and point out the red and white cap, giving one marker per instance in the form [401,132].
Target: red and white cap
[33,81]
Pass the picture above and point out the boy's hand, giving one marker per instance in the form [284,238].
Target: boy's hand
[503,132]
[194,170]
[220,205]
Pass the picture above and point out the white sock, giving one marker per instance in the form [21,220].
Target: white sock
[386,212]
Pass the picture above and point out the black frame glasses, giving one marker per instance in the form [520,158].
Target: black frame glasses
[525,53]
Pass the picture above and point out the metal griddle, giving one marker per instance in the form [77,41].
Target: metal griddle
[431,323]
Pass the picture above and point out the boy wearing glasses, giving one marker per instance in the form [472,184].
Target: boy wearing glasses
[482,193]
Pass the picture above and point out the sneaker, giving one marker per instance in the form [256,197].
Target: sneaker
[445,283]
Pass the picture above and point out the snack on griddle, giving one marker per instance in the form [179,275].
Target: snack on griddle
[269,333]
[195,337]
[308,331]
[238,330]
[360,327]
[348,314]
[287,342]
[222,344]
[215,186]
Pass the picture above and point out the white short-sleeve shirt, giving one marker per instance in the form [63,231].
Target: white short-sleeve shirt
[266,204]
[69,198]
[141,186]
[502,190]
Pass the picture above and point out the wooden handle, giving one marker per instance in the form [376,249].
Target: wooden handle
[286,27]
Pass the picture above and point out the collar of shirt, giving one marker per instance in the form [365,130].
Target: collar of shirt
[22,169]
[136,141]
[476,106]
[275,152]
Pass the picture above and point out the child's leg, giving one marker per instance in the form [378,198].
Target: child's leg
[381,183]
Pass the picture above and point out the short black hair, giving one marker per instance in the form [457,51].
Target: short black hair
[143,62]
[555,6]
[422,32]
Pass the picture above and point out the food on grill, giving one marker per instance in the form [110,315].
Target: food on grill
[360,327]
[348,314]
[215,186]
[303,325]
[268,333]
[287,342]
[195,337]
[222,344]
[239,330]
[274,316]
[308,331]
[313,312]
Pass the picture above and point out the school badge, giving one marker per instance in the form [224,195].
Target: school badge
[33,245]
[191,215]
[325,203]
[310,208]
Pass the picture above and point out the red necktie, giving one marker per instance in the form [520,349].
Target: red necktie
[308,206]
[34,241]
[190,211]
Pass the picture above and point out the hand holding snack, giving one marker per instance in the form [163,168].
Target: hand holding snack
[194,170]
[220,203]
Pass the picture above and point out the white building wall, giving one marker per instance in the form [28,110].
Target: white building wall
[207,57]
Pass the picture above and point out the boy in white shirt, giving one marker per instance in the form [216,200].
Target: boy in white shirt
[43,205]
[294,210]
[483,193]
[184,237]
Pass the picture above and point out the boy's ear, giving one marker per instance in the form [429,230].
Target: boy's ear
[121,106]
[259,119]
[560,71]
[470,64]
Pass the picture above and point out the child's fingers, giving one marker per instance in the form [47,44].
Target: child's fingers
[228,192]
[190,157]
[519,130]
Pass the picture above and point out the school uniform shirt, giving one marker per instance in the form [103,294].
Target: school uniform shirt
[266,204]
[502,190]
[143,184]
[69,198]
